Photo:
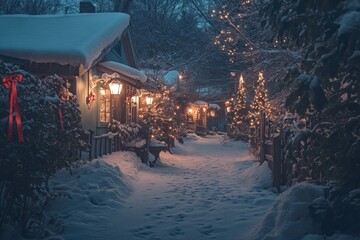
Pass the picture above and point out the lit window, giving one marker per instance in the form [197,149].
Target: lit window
[105,106]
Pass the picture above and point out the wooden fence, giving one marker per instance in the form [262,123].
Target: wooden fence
[272,150]
[97,146]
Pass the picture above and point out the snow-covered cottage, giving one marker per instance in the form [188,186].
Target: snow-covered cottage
[93,51]
[196,116]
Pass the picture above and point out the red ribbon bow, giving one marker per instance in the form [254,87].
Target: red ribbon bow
[10,83]
[61,117]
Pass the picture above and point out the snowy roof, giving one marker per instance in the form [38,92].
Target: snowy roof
[214,105]
[171,78]
[200,103]
[75,39]
[125,70]
[209,91]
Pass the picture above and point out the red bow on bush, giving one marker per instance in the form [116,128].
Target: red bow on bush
[61,117]
[10,83]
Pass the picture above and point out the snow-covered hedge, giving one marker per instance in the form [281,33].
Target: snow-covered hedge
[49,145]
[127,132]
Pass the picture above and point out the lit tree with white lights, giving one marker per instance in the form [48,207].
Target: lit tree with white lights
[260,102]
[230,107]
[240,108]
[160,114]
[248,44]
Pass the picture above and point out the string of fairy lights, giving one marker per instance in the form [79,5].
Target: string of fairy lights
[234,39]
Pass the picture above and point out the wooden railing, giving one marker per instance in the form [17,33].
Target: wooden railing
[97,146]
[106,144]
[272,151]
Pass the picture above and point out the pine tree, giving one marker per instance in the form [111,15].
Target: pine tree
[239,109]
[230,108]
[260,102]
[161,114]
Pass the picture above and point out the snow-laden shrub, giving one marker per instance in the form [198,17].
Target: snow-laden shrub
[329,153]
[325,152]
[26,167]
[338,210]
[127,132]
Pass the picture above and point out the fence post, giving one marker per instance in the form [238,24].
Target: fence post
[262,138]
[282,157]
[100,150]
[96,147]
[111,144]
[91,143]
[147,148]
[277,162]
[105,145]
[251,136]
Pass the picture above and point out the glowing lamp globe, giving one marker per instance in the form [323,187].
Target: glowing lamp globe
[115,87]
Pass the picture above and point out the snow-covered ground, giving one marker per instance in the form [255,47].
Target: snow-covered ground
[210,188]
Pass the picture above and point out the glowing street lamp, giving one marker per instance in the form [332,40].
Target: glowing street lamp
[115,87]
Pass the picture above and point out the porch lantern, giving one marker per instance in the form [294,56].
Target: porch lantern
[115,87]
[149,100]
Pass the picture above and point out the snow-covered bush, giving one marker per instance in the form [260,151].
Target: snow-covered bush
[127,132]
[338,210]
[329,154]
[51,128]
[326,152]
[326,82]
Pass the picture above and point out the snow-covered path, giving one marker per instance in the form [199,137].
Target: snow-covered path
[210,188]
[203,191]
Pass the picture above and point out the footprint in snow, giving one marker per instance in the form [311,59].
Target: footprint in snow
[142,231]
[176,231]
[179,218]
[207,230]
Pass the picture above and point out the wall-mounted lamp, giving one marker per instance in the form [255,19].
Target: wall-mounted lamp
[115,87]
[149,100]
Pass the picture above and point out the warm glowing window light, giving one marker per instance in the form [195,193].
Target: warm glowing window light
[149,100]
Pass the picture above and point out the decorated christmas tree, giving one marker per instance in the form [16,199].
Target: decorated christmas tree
[230,108]
[160,114]
[239,106]
[260,102]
